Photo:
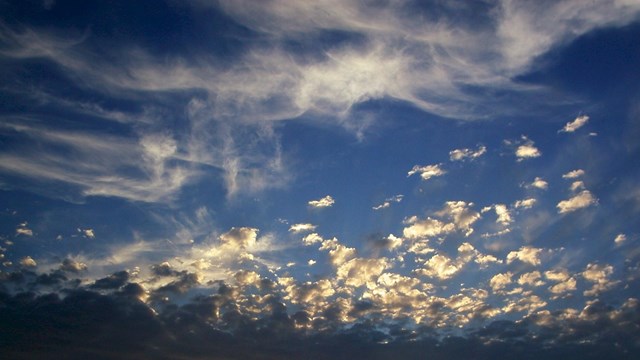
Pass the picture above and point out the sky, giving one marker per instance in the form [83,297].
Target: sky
[333,179]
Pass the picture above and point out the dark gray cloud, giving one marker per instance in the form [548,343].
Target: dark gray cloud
[116,324]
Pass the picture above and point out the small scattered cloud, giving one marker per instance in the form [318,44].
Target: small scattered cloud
[539,183]
[24,231]
[464,154]
[582,200]
[387,202]
[574,125]
[573,174]
[527,150]
[504,216]
[27,261]
[620,239]
[428,171]
[525,203]
[324,202]
[599,276]
[300,228]
[577,185]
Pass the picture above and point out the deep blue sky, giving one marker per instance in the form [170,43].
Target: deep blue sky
[340,179]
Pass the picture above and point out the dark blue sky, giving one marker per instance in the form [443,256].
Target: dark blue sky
[326,179]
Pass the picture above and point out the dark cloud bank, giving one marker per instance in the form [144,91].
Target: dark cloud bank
[52,316]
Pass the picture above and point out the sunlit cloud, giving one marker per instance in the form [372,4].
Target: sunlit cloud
[574,125]
[581,200]
[428,171]
[463,154]
[326,201]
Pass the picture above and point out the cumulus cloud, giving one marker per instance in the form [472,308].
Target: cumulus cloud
[504,216]
[525,203]
[539,183]
[425,228]
[582,200]
[500,281]
[527,150]
[428,171]
[326,201]
[564,286]
[461,215]
[299,228]
[573,174]
[27,261]
[440,266]
[533,278]
[463,154]
[575,124]
[599,276]
[312,239]
[525,254]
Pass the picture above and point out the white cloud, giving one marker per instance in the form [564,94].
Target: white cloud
[620,238]
[461,214]
[533,278]
[326,201]
[557,275]
[312,239]
[425,228]
[539,183]
[387,202]
[525,203]
[27,261]
[504,216]
[564,286]
[575,124]
[526,254]
[582,200]
[440,266]
[24,231]
[527,150]
[500,281]
[577,185]
[427,172]
[463,154]
[298,228]
[359,272]
[573,174]
[599,275]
